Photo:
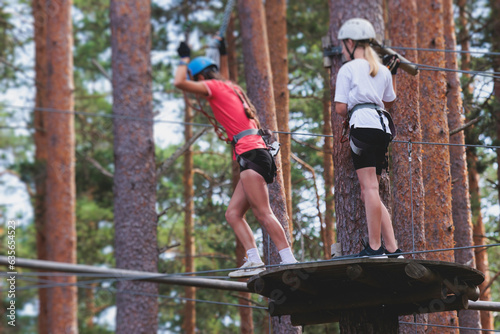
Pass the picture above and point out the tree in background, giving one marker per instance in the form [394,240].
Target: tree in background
[40,139]
[351,218]
[59,214]
[135,171]
[260,90]
[407,183]
[278,52]
[436,170]
[461,209]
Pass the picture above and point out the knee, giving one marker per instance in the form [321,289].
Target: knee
[232,216]
[369,192]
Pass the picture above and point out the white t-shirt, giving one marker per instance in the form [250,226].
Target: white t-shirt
[355,85]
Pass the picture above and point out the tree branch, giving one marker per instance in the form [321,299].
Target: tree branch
[169,162]
[309,168]
[465,126]
[97,165]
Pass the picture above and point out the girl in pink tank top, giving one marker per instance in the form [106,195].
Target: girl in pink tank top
[232,111]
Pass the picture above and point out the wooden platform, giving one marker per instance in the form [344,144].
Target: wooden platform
[319,292]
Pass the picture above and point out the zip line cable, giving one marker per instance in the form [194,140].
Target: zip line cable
[159,275]
[110,289]
[143,119]
[486,53]
[423,67]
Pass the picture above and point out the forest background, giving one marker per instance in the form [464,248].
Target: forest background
[213,240]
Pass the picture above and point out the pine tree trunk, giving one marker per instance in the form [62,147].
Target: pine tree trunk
[40,139]
[351,219]
[276,32]
[189,324]
[134,182]
[408,189]
[487,320]
[460,190]
[246,313]
[259,84]
[329,229]
[60,232]
[436,169]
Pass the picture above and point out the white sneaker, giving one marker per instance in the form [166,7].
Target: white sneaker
[248,269]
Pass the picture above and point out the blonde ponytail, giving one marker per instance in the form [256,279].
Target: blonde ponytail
[372,58]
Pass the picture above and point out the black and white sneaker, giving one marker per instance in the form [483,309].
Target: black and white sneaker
[369,252]
[396,255]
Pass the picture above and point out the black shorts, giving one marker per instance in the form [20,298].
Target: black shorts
[263,159]
[374,152]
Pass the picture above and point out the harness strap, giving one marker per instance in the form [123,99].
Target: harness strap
[244,133]
[381,111]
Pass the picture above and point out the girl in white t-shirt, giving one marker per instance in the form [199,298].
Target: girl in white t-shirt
[363,89]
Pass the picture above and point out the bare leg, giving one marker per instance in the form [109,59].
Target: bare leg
[373,205]
[257,195]
[235,213]
[388,231]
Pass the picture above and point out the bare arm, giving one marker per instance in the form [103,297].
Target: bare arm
[388,105]
[224,67]
[341,109]
[181,81]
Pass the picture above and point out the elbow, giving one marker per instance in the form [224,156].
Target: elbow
[178,83]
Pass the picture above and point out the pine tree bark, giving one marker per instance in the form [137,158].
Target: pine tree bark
[461,210]
[481,255]
[246,313]
[189,324]
[40,139]
[260,90]
[436,170]
[329,228]
[278,50]
[407,182]
[134,181]
[59,229]
[351,219]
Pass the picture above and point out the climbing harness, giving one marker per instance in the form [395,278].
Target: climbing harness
[381,111]
[358,146]
[272,146]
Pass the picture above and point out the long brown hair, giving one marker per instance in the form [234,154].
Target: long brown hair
[250,110]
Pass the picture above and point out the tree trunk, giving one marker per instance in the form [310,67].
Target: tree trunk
[40,139]
[487,320]
[60,231]
[276,32]
[460,190]
[436,169]
[408,189]
[246,313]
[259,84]
[329,228]
[189,325]
[351,218]
[134,182]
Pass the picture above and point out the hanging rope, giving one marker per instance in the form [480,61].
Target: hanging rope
[221,134]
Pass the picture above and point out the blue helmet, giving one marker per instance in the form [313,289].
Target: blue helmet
[198,64]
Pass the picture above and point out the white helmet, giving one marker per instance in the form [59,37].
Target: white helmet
[357,29]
